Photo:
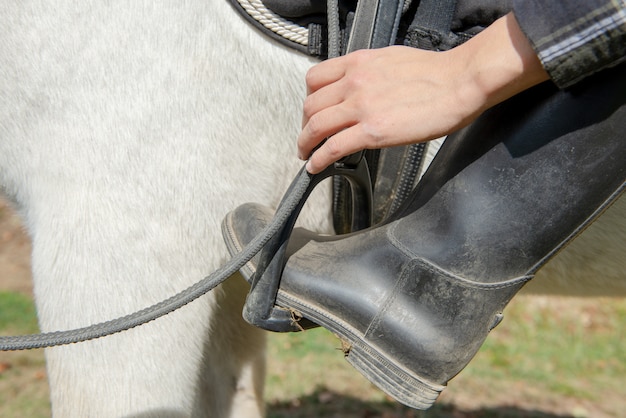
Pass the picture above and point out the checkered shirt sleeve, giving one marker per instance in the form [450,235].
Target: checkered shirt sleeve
[574,38]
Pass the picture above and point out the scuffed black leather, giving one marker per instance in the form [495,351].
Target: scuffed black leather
[423,290]
[472,16]
[469,18]
[417,313]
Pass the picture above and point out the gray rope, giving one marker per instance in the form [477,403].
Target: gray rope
[290,201]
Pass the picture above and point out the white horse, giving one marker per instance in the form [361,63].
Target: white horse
[128,129]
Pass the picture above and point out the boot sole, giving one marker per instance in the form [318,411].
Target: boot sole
[389,376]
[396,381]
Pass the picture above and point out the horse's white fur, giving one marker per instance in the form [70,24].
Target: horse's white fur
[127,130]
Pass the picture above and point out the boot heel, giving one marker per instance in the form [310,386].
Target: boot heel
[400,384]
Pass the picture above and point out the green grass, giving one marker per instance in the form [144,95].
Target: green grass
[579,353]
[550,357]
[562,356]
[23,385]
[17,314]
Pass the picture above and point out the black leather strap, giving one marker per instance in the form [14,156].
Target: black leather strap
[375,24]
[431,26]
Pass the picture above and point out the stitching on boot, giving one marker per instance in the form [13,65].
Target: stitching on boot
[433,268]
[439,270]
[390,299]
[391,235]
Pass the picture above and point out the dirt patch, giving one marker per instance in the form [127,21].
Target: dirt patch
[23,381]
[15,249]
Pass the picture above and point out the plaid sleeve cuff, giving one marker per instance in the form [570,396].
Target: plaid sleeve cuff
[574,38]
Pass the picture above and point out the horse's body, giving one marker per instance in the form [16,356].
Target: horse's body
[127,131]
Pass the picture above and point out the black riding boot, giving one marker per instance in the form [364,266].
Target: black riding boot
[415,298]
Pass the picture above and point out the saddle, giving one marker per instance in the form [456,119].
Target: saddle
[435,25]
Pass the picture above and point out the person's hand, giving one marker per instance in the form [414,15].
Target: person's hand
[381,98]
[399,95]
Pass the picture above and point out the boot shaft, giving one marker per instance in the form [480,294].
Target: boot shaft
[504,194]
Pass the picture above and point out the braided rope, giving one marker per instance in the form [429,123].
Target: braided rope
[280,26]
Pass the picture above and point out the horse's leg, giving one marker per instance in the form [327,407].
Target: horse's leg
[128,131]
[233,345]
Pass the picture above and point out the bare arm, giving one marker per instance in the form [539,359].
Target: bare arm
[400,95]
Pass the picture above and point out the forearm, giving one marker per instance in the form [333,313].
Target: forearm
[501,62]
